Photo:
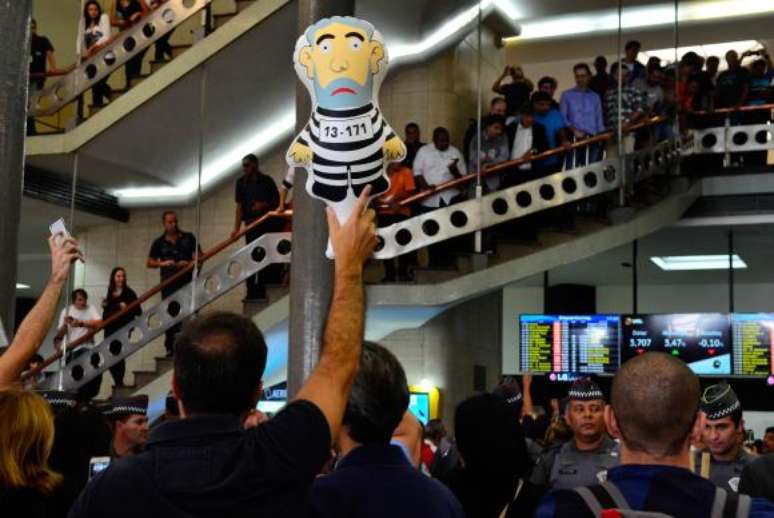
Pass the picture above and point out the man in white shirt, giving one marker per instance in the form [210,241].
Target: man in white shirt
[434,165]
[77,320]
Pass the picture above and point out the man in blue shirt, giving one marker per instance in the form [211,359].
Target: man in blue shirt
[375,478]
[555,125]
[581,107]
[654,413]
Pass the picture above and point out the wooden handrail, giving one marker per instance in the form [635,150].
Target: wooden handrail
[521,161]
[751,108]
[156,289]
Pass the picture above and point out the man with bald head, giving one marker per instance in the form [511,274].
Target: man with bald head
[654,412]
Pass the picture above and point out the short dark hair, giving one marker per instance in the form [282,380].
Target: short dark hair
[489,437]
[584,66]
[759,63]
[79,291]
[655,398]
[631,44]
[412,125]
[439,131]
[379,396]
[251,158]
[541,96]
[34,21]
[527,109]
[736,416]
[166,213]
[435,430]
[600,59]
[490,120]
[770,429]
[547,79]
[219,361]
[714,59]
[496,100]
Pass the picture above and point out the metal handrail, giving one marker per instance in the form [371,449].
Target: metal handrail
[751,108]
[156,289]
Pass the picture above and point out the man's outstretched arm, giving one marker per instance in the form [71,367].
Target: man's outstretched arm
[35,325]
[329,384]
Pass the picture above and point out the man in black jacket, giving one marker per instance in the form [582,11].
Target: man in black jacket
[526,138]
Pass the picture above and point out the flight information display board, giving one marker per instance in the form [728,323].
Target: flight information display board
[753,344]
[585,344]
[701,340]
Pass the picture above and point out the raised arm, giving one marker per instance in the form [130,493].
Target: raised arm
[36,324]
[329,384]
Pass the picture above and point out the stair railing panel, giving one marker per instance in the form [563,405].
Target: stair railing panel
[122,47]
[209,285]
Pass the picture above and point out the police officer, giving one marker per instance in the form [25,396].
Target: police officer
[724,458]
[129,419]
[585,459]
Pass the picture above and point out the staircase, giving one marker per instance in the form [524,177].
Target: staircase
[174,14]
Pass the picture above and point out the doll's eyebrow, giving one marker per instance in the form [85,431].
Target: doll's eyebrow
[356,35]
[324,37]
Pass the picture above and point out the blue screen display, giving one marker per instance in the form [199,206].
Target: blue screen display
[419,404]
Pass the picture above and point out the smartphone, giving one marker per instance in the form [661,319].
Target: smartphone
[97,464]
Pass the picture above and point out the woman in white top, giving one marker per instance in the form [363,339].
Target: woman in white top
[93,34]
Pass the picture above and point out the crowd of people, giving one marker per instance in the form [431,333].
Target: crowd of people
[347,443]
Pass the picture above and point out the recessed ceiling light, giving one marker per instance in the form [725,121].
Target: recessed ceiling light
[21,286]
[698,262]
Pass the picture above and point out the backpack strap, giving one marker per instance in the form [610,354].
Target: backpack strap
[719,504]
[597,498]
[730,505]
[743,506]
[616,495]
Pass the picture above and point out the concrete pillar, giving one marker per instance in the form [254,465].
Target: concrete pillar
[14,63]
[311,274]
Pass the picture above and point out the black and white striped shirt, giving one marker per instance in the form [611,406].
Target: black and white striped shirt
[346,145]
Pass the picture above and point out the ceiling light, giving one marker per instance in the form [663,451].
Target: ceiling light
[21,286]
[638,17]
[698,262]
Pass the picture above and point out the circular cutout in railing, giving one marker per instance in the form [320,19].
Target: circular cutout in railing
[91,71]
[153,321]
[234,269]
[60,92]
[148,30]
[173,309]
[547,192]
[609,173]
[76,373]
[189,3]
[95,360]
[379,243]
[283,247]
[569,185]
[403,237]
[115,347]
[129,44]
[499,206]
[258,254]
[590,179]
[763,136]
[168,15]
[458,218]
[524,199]
[135,335]
[211,285]
[740,138]
[110,58]
[430,227]
[709,140]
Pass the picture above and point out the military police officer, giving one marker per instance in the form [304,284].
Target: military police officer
[129,420]
[585,459]
[724,458]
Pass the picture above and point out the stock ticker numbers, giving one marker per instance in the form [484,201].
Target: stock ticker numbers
[753,344]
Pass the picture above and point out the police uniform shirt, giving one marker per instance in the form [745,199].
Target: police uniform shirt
[726,474]
[567,467]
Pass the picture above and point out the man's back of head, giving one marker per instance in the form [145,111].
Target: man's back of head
[219,361]
[379,397]
[655,399]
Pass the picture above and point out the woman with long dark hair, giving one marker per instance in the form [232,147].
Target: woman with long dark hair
[119,296]
[93,34]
